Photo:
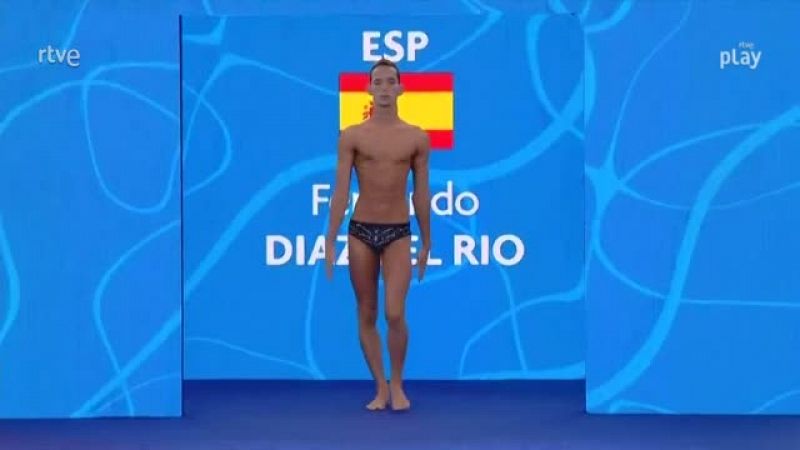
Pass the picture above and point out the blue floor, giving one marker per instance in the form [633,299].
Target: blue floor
[445,415]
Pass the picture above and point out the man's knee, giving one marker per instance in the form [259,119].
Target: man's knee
[367,314]
[395,319]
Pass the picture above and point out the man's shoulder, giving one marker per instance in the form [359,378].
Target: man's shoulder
[351,130]
[413,128]
[417,132]
[351,134]
[420,135]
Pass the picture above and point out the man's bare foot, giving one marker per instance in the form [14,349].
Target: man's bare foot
[380,400]
[399,400]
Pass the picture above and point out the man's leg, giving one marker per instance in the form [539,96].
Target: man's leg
[396,277]
[364,268]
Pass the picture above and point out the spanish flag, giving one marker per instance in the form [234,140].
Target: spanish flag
[427,102]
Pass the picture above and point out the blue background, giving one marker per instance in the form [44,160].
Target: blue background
[90,251]
[274,84]
[102,337]
[731,312]
[692,176]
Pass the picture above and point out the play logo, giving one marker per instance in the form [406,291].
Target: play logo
[744,55]
[427,102]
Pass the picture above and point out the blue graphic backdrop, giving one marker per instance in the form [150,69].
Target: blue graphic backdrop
[692,175]
[90,251]
[732,328]
[518,147]
[106,349]
[89,198]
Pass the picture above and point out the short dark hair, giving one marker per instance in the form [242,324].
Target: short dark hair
[387,63]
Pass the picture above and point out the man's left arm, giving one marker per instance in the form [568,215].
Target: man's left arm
[422,197]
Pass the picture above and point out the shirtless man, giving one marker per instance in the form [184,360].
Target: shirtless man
[383,150]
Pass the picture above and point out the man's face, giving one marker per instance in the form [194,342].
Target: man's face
[384,86]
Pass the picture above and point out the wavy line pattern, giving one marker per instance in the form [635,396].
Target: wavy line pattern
[591,98]
[12,279]
[98,298]
[169,184]
[73,29]
[176,377]
[765,408]
[644,357]
[77,171]
[621,375]
[310,371]
[100,76]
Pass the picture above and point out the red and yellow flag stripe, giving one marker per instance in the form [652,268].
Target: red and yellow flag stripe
[427,102]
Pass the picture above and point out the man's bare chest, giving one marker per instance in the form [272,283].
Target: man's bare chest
[386,149]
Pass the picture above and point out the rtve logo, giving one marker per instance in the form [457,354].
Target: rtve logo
[70,57]
[393,40]
[745,56]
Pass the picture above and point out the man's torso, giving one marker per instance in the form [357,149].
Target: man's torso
[383,157]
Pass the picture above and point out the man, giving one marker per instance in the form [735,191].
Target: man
[383,150]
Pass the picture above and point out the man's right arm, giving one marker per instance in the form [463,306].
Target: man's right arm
[341,189]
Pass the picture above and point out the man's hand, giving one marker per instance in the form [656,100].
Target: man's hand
[329,256]
[422,260]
